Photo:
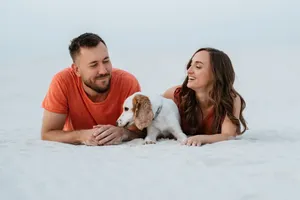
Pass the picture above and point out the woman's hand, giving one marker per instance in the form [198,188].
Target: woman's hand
[193,141]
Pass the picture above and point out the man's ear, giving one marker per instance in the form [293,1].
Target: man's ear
[76,69]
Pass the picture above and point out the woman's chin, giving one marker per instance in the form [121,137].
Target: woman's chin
[190,86]
[194,87]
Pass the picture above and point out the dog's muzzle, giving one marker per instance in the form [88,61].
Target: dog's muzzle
[119,123]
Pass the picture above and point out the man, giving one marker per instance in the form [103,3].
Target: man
[84,101]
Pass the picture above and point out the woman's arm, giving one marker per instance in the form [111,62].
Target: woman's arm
[169,93]
[228,129]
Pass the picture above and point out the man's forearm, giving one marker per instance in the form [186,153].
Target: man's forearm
[71,137]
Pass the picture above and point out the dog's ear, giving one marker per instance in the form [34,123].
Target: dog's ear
[142,109]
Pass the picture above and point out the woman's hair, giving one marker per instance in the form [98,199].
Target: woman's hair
[222,94]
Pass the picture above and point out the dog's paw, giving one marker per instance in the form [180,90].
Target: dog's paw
[149,142]
[182,139]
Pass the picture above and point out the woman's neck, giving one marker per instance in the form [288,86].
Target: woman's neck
[204,99]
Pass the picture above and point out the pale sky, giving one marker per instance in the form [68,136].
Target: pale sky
[144,24]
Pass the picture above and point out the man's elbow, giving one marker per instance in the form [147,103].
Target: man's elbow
[43,136]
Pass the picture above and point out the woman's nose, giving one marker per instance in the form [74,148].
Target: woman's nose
[190,70]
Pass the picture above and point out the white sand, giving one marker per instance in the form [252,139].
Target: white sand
[261,165]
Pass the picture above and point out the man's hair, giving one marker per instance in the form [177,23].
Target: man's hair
[84,40]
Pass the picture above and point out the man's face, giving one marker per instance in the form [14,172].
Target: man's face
[94,67]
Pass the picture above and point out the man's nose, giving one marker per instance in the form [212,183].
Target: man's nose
[102,70]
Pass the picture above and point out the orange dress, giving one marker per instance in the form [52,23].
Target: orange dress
[205,125]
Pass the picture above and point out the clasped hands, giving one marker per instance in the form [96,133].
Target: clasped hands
[103,135]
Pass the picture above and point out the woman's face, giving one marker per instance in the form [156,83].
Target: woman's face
[200,73]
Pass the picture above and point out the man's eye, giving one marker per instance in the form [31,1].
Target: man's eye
[126,109]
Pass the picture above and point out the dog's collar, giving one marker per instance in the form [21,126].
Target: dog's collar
[157,111]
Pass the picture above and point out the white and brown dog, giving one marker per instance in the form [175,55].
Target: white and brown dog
[156,113]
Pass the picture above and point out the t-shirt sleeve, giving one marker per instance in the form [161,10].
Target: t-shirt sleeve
[56,97]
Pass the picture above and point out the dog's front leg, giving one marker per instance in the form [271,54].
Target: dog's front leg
[178,133]
[152,134]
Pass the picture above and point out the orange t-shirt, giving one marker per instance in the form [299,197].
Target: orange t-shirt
[67,96]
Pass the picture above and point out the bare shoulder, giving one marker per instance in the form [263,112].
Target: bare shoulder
[52,121]
[237,106]
[169,93]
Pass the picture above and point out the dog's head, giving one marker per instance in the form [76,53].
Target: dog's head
[137,110]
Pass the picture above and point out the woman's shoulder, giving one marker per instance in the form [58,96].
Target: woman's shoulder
[237,104]
[172,92]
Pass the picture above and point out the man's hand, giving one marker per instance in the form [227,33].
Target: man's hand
[87,137]
[108,134]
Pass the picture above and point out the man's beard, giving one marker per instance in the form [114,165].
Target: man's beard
[95,87]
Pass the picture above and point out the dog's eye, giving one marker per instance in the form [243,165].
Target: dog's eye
[126,109]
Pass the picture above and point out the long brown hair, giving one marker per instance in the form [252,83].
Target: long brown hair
[222,94]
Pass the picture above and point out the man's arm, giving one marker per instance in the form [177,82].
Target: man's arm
[109,134]
[52,130]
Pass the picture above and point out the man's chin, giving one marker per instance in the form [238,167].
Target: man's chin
[98,89]
[101,89]
[100,86]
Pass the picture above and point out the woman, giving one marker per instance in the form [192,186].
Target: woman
[210,108]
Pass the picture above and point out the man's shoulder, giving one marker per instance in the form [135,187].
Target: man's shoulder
[65,80]
[65,76]
[126,82]
[66,73]
[124,75]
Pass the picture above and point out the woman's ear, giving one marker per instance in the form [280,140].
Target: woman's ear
[143,114]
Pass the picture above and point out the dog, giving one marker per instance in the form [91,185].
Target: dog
[159,115]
